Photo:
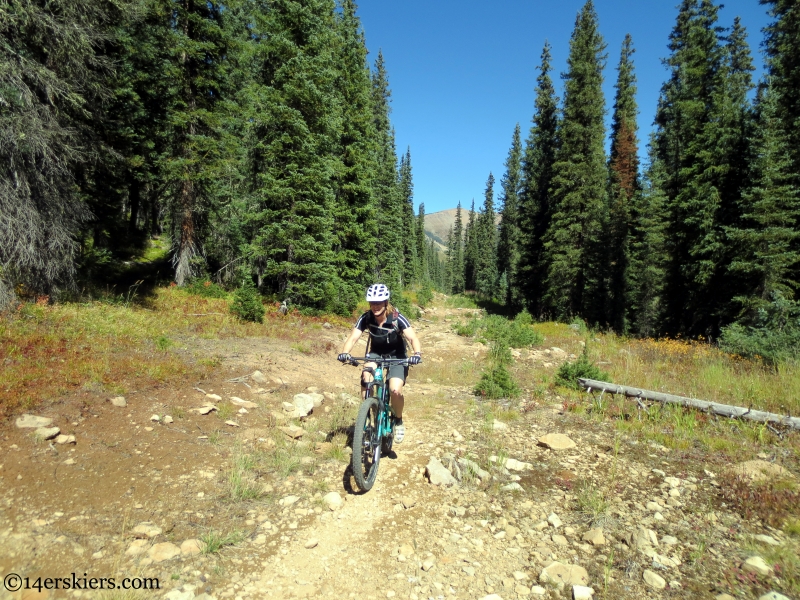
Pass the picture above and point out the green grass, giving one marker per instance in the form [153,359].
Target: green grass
[214,541]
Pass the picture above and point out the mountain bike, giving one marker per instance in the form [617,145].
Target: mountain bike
[374,428]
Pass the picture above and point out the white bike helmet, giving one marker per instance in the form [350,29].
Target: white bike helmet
[377,292]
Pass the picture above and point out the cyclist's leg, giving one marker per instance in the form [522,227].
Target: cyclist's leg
[366,377]
[397,399]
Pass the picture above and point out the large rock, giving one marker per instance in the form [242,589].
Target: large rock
[293,431]
[259,377]
[773,596]
[243,403]
[756,564]
[654,580]
[163,551]
[33,422]
[333,500]
[303,404]
[757,470]
[438,474]
[469,466]
[595,537]
[192,547]
[581,592]
[47,433]
[568,574]
[556,441]
[146,530]
[137,547]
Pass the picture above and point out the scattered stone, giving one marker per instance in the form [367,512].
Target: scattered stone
[155,418]
[232,423]
[757,470]
[214,397]
[767,539]
[581,592]
[556,441]
[408,502]
[47,433]
[65,439]
[168,419]
[163,551]
[499,425]
[146,530]
[554,520]
[192,547]
[438,474]
[512,487]
[33,422]
[669,540]
[205,409]
[259,377]
[492,597]
[473,468]
[595,537]
[428,564]
[303,404]
[119,401]
[654,580]
[288,501]
[243,403]
[724,597]
[756,564]
[773,596]
[137,547]
[557,572]
[333,500]
[69,461]
[293,431]
[515,465]
[312,543]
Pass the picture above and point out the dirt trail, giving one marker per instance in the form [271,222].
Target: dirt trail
[75,508]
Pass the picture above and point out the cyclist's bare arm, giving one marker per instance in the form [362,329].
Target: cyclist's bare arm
[351,341]
[412,338]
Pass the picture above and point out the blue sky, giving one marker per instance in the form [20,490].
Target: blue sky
[463,74]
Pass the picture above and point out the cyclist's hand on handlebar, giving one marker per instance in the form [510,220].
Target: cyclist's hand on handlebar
[344,357]
[415,359]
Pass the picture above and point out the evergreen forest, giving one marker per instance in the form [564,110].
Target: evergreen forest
[255,136]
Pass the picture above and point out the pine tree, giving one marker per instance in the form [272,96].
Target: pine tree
[623,168]
[782,44]
[509,239]
[572,247]
[422,245]
[486,244]
[199,47]
[455,255]
[767,254]
[411,263]
[293,131]
[355,224]
[385,189]
[53,86]
[470,249]
[535,209]
[699,119]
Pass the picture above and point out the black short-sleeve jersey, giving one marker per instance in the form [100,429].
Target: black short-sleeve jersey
[387,339]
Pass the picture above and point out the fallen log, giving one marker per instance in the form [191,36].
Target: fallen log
[724,410]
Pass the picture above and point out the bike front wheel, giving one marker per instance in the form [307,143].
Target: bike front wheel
[366,445]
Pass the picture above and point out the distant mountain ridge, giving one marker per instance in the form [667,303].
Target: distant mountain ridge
[438,224]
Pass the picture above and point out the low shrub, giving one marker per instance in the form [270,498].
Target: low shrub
[496,383]
[583,368]
[518,333]
[247,304]
[771,334]
[206,289]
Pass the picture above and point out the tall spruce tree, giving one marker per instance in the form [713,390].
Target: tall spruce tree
[355,224]
[623,166]
[535,210]
[509,239]
[782,44]
[385,189]
[701,122]
[422,245]
[411,263]
[455,255]
[766,238]
[486,244]
[573,249]
[53,86]
[470,249]
[293,127]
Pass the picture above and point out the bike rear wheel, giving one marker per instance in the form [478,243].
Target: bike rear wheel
[366,444]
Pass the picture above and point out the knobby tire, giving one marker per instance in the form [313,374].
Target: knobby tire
[366,444]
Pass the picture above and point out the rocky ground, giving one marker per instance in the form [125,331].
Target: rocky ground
[227,489]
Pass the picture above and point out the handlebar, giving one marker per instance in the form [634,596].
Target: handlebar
[357,360]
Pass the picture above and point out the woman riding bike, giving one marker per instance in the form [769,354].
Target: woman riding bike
[387,330]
